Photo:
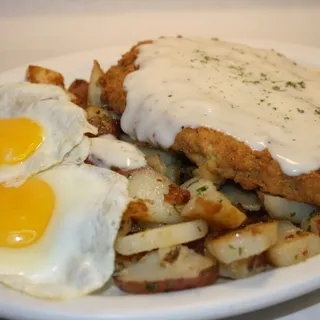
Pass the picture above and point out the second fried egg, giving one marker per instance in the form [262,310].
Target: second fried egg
[58,229]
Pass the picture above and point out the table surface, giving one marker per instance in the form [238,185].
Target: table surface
[38,29]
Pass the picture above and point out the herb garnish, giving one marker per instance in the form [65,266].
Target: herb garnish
[201,190]
[276,88]
[296,85]
[175,209]
[292,214]
[151,286]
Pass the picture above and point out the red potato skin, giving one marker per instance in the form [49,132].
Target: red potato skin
[206,277]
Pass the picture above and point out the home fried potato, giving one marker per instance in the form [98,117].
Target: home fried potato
[94,89]
[248,200]
[211,205]
[101,119]
[167,269]
[283,209]
[125,226]
[245,267]
[161,237]
[125,261]
[79,89]
[293,246]
[37,74]
[155,198]
[311,224]
[154,161]
[243,243]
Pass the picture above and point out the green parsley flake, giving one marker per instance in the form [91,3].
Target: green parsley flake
[175,209]
[151,286]
[201,190]
[276,88]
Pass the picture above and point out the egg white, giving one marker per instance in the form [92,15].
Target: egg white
[63,124]
[79,153]
[75,255]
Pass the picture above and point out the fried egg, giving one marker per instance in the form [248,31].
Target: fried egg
[39,126]
[58,229]
[79,153]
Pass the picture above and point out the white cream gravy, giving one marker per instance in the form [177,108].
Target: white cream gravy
[257,96]
[106,151]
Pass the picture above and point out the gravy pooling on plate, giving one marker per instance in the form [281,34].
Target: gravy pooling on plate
[258,96]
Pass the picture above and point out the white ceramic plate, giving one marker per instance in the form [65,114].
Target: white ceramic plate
[220,300]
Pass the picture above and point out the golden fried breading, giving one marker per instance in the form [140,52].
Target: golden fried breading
[219,153]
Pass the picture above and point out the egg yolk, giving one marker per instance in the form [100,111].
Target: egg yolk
[25,212]
[19,138]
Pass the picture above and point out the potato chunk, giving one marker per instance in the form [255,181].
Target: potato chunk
[293,246]
[245,267]
[37,74]
[167,269]
[155,197]
[283,209]
[243,243]
[101,119]
[94,90]
[312,224]
[79,89]
[248,200]
[161,237]
[211,205]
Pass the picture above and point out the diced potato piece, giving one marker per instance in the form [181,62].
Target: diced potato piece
[293,246]
[154,161]
[155,197]
[37,74]
[311,224]
[205,172]
[125,261]
[211,205]
[164,162]
[125,226]
[94,90]
[101,119]
[162,237]
[168,269]
[79,89]
[148,225]
[245,267]
[243,243]
[283,209]
[248,200]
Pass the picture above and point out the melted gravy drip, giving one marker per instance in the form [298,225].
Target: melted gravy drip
[106,151]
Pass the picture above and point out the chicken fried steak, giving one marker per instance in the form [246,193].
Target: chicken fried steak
[220,154]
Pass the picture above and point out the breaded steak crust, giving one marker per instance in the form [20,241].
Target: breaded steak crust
[220,154]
